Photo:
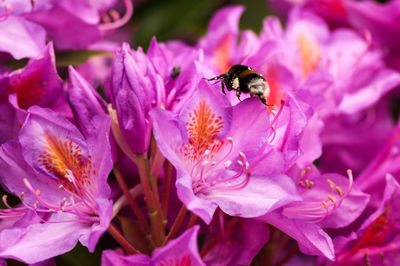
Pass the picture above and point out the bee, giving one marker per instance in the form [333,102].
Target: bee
[244,79]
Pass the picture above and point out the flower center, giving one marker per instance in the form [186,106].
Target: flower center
[208,175]
[81,206]
[203,125]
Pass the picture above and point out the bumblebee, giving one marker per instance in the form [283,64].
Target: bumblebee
[244,79]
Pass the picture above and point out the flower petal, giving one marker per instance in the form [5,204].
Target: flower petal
[261,195]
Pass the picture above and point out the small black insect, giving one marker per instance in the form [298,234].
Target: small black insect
[244,79]
[176,71]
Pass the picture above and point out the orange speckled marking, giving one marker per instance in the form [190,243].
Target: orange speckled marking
[310,54]
[60,155]
[377,232]
[183,261]
[203,125]
[29,89]
[222,54]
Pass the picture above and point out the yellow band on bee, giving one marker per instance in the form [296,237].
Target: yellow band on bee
[246,72]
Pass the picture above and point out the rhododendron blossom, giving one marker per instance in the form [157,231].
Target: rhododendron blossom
[146,155]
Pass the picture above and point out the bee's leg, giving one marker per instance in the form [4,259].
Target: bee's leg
[264,101]
[223,87]
[217,77]
[238,94]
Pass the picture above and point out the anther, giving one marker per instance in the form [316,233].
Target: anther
[331,198]
[52,210]
[331,184]
[213,163]
[36,204]
[300,183]
[247,165]
[229,139]
[303,173]
[240,163]
[227,164]
[207,152]
[339,190]
[311,184]
[325,204]
[38,192]
[61,187]
[242,155]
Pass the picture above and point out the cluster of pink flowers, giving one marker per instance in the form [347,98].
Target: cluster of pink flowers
[180,173]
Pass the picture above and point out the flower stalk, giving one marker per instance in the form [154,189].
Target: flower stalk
[114,232]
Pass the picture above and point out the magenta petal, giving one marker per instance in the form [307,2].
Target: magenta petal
[112,258]
[167,134]
[9,126]
[85,101]
[91,238]
[11,158]
[133,91]
[221,38]
[259,196]
[379,83]
[201,206]
[180,251]
[45,127]
[250,126]
[215,103]
[38,242]
[86,11]
[99,147]
[21,38]
[310,237]
[241,245]
[38,83]
[78,35]
[351,207]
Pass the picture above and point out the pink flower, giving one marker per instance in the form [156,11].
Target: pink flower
[61,179]
[222,156]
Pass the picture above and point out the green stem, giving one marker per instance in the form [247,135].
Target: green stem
[155,214]
[132,203]
[114,232]
[192,221]
[177,224]
[167,188]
